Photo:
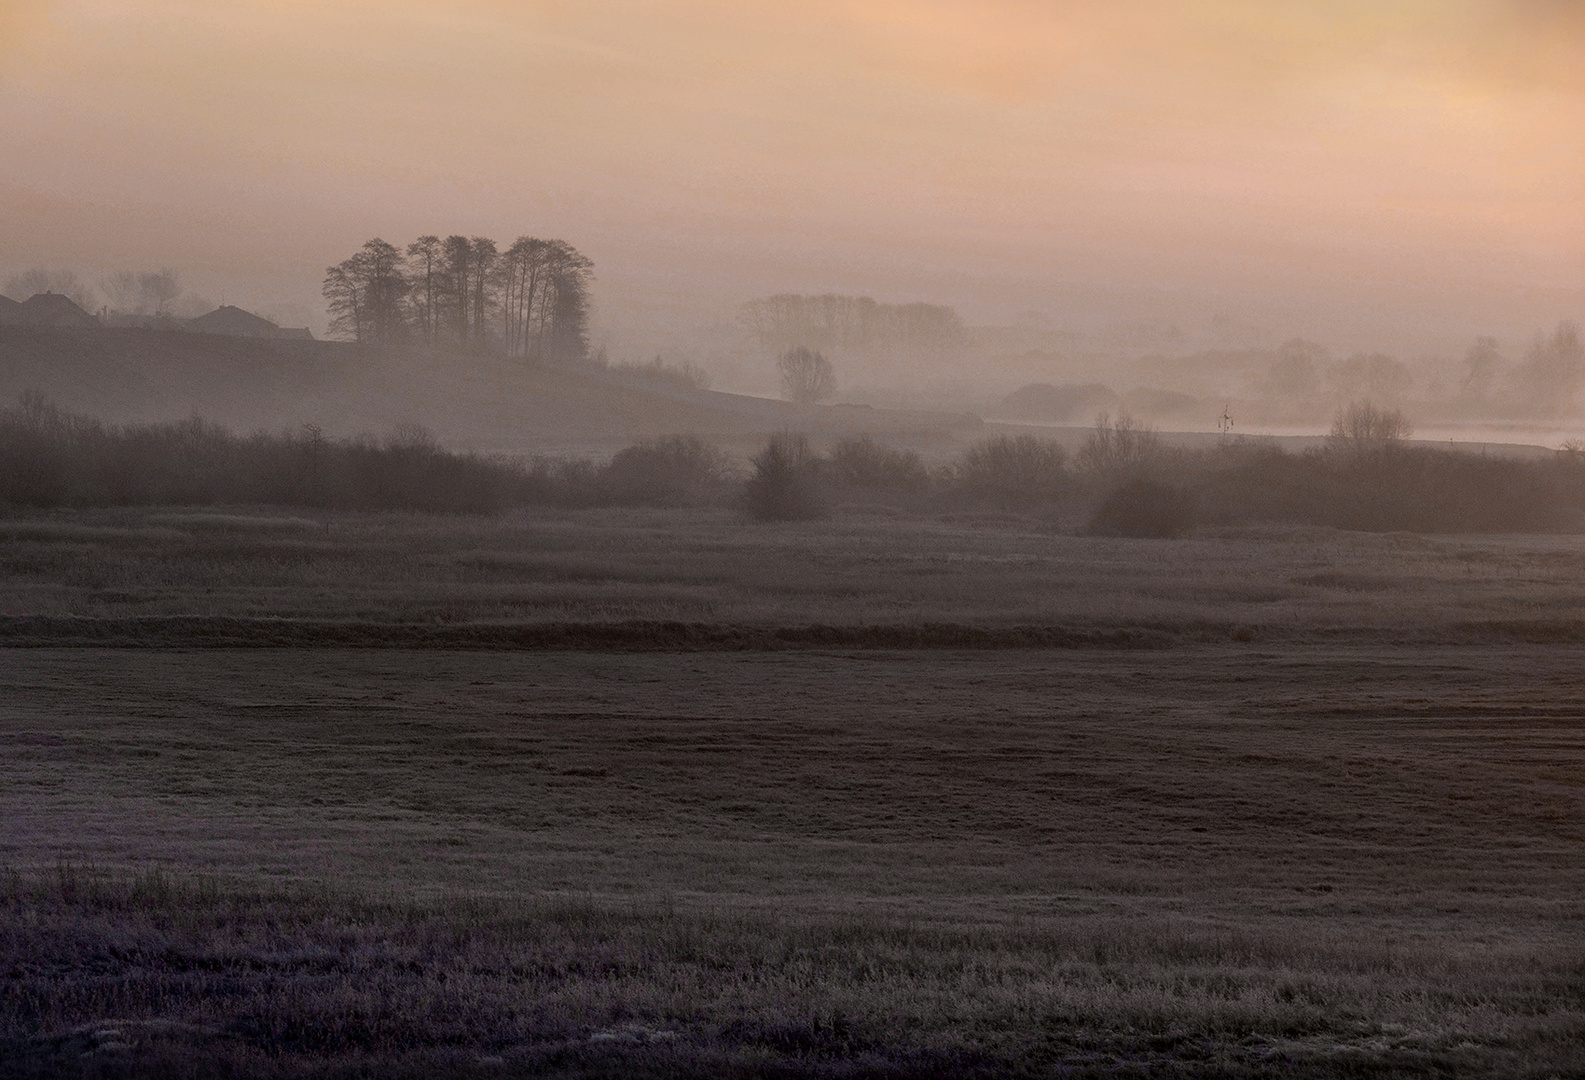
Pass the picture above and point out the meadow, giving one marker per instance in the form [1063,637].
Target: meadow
[346,794]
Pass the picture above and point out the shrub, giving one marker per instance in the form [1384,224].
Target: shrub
[678,470]
[865,463]
[1014,468]
[52,458]
[786,481]
[1118,447]
[1144,508]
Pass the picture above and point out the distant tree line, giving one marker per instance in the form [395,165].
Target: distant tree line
[530,300]
[853,325]
[1124,480]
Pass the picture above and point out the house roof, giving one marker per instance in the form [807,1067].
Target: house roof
[231,320]
[53,309]
[10,310]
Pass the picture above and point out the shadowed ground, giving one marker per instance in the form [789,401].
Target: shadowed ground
[1219,859]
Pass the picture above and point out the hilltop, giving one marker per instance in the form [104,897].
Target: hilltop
[478,402]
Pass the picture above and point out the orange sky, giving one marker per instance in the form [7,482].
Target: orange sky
[1353,170]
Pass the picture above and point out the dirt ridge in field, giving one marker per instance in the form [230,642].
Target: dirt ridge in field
[644,635]
[627,636]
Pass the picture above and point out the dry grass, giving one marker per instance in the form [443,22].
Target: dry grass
[1332,828]
[1205,859]
[712,567]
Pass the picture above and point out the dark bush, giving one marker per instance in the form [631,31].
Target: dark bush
[51,458]
[1397,488]
[865,463]
[786,482]
[1013,468]
[679,470]
[1121,447]
[1144,508]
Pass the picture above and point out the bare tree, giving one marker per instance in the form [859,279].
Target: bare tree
[566,338]
[522,274]
[344,296]
[30,282]
[806,376]
[1124,445]
[1552,373]
[1361,425]
[456,281]
[122,294]
[423,257]
[365,294]
[159,288]
[1481,365]
[481,293]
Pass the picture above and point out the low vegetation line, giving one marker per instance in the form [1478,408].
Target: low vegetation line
[196,631]
[640,635]
[1125,481]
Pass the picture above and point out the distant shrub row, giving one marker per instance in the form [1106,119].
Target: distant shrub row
[1122,481]
[51,458]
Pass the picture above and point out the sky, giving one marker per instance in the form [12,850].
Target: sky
[1400,173]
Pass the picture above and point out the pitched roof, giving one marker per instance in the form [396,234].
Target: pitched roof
[10,310]
[233,321]
[53,309]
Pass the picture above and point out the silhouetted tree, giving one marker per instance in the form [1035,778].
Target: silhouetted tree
[456,281]
[423,256]
[806,376]
[481,293]
[1549,378]
[523,273]
[364,294]
[1121,446]
[1481,365]
[1361,425]
[566,337]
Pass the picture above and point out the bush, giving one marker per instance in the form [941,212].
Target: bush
[1123,446]
[51,458]
[679,470]
[865,463]
[1144,508]
[1014,468]
[786,482]
[1402,489]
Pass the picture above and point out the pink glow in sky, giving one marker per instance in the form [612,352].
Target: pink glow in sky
[1355,168]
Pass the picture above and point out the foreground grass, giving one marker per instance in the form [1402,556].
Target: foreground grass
[712,567]
[156,976]
[1210,861]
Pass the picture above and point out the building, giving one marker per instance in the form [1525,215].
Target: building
[232,321]
[46,309]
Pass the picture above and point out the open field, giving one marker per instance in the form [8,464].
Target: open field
[1328,820]
[153,572]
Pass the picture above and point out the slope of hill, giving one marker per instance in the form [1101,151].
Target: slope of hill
[476,402]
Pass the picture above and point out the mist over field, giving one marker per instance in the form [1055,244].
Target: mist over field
[825,540]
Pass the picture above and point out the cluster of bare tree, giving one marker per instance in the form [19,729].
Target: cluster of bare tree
[530,300]
[140,294]
[849,325]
